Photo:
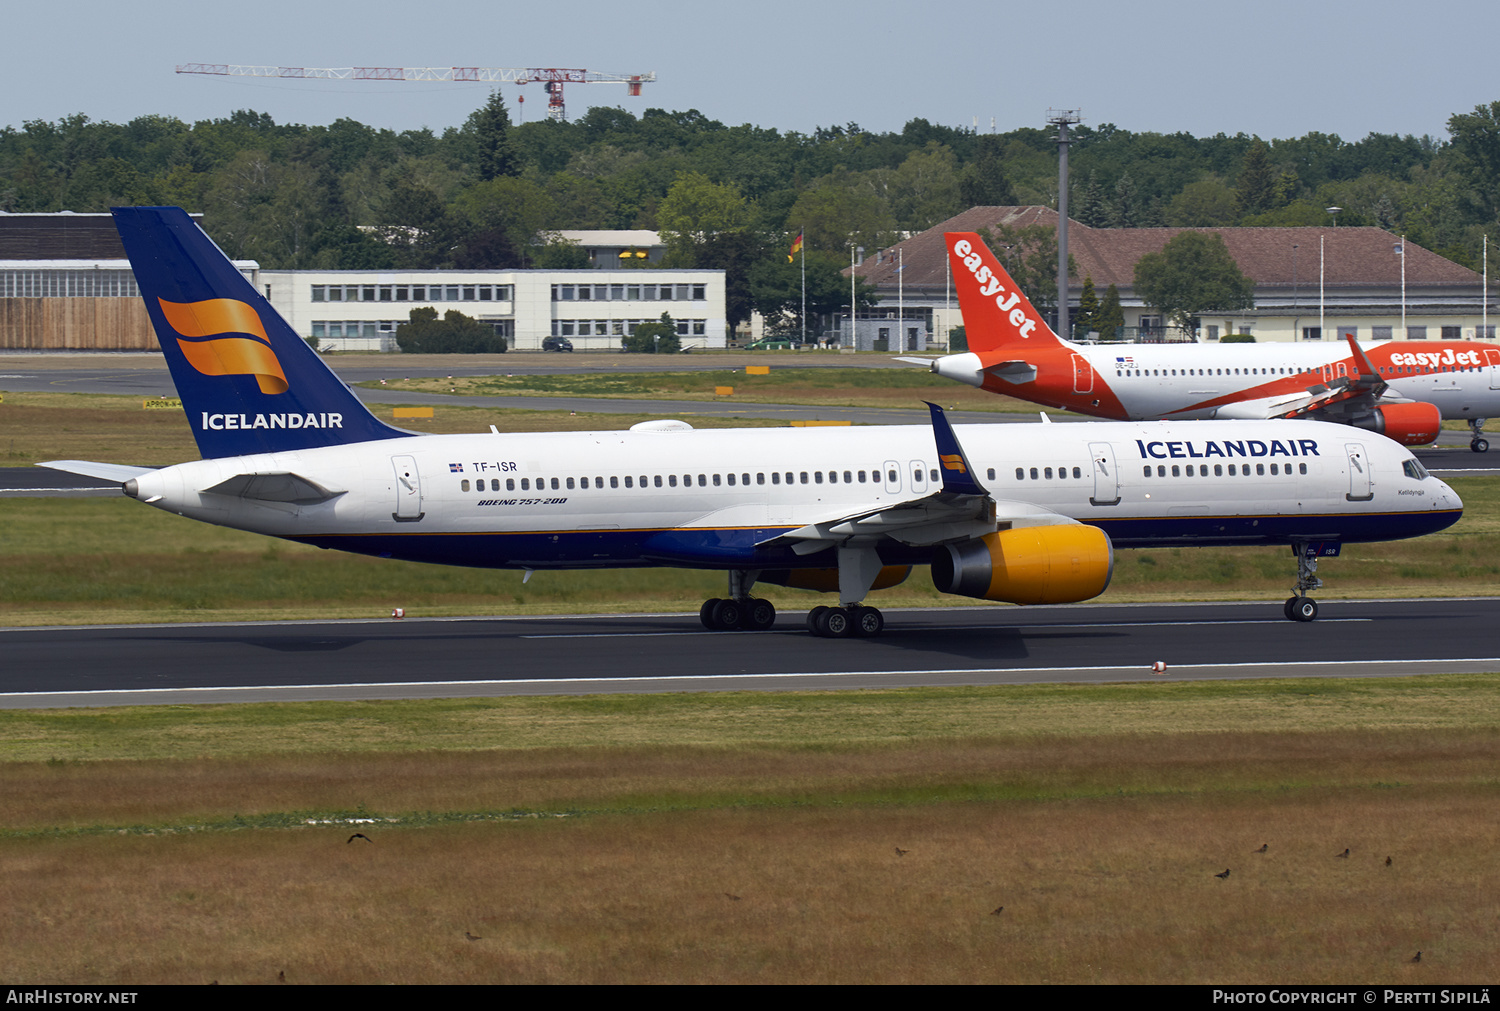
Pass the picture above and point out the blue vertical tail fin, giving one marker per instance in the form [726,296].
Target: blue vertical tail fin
[248,382]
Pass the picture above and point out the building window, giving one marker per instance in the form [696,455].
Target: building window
[1416,333]
[1452,333]
[1380,333]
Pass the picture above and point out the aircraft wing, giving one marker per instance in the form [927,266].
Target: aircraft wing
[1354,394]
[116,472]
[963,509]
[933,519]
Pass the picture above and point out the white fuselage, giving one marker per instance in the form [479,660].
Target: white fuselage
[708,498]
[1172,380]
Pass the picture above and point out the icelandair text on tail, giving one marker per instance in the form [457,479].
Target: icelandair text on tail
[230,422]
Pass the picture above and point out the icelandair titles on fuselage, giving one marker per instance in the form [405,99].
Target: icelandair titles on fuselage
[1185,450]
[231,422]
[989,285]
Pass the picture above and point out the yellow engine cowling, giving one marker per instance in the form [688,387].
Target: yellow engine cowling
[827,580]
[1030,565]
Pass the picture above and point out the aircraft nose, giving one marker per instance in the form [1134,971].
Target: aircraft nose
[1448,498]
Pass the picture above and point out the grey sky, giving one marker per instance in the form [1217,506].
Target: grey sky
[1277,68]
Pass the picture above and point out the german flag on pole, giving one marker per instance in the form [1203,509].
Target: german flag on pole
[796,245]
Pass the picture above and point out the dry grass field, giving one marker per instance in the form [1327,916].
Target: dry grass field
[841,387]
[835,837]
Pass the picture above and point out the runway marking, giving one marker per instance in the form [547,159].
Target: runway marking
[1140,669]
[942,628]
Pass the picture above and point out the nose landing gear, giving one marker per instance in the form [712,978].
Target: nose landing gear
[1301,607]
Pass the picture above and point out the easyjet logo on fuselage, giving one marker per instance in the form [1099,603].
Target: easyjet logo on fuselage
[1435,359]
[990,286]
[225,356]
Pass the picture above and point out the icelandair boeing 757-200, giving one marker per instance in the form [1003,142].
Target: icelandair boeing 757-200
[1025,514]
[1402,389]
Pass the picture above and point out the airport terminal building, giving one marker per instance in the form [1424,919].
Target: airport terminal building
[65,285]
[359,310]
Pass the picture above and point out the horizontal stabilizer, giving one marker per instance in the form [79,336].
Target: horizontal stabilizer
[274,487]
[1013,372]
[117,472]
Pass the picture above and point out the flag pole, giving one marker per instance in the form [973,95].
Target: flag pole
[802,241]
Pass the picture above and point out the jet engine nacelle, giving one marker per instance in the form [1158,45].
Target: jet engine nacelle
[1028,565]
[1409,424]
[827,580]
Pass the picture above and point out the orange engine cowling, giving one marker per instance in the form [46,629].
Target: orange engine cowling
[1408,424]
[827,580]
[1030,565]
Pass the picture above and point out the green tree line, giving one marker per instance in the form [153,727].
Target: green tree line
[492,194]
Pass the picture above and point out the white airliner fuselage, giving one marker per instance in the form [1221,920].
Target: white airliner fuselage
[750,497]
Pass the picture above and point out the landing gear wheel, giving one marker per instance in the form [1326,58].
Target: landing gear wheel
[868,621]
[1480,445]
[706,613]
[815,619]
[837,623]
[727,614]
[1306,609]
[1289,608]
[761,615]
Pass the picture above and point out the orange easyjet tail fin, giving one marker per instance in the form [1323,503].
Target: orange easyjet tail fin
[997,314]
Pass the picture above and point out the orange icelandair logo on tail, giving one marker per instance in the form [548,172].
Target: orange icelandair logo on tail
[225,356]
[952,461]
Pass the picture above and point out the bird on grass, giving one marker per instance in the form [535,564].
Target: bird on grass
[1344,855]
[472,937]
[1387,861]
[1263,847]
[901,852]
[998,911]
[1417,957]
[1221,877]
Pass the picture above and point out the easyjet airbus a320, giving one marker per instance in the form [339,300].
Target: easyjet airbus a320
[1401,389]
[1020,513]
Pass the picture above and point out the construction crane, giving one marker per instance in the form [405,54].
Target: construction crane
[552,77]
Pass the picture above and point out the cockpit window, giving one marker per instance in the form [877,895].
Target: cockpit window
[1414,469]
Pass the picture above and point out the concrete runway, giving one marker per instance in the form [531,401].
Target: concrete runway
[592,654]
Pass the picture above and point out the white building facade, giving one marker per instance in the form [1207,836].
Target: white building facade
[359,310]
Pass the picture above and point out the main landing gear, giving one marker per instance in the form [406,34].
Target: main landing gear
[843,622]
[1301,607]
[1477,442]
[742,612]
[751,614]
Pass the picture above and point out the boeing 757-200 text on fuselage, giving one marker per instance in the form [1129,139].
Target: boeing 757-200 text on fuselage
[1402,389]
[1026,514]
